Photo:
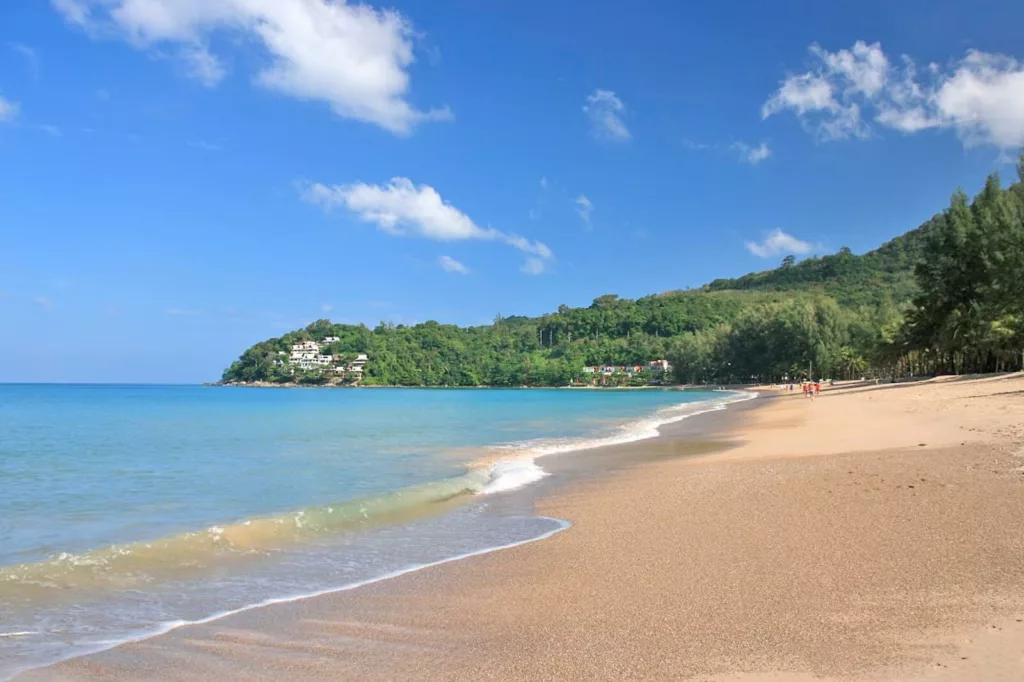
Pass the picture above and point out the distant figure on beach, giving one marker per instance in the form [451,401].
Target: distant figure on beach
[817,388]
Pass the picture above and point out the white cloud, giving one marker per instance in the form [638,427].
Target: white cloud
[352,56]
[802,94]
[50,130]
[202,65]
[403,208]
[752,155]
[449,264]
[980,97]
[534,266]
[605,111]
[813,94]
[326,307]
[745,152]
[865,68]
[584,207]
[43,302]
[544,182]
[8,110]
[778,243]
[984,100]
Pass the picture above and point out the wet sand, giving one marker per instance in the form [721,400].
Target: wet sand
[876,533]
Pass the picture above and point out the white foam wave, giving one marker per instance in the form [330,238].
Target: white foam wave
[521,468]
[640,429]
[510,474]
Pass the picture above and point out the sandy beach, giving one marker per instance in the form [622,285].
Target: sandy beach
[875,533]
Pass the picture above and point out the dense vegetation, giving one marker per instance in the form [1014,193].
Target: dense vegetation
[945,297]
[969,313]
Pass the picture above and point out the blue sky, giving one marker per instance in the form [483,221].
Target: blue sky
[183,178]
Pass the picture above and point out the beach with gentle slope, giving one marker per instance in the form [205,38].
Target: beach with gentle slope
[875,533]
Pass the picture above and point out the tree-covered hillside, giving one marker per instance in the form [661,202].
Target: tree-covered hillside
[945,295]
[885,273]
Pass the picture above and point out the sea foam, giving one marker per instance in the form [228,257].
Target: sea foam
[516,463]
[511,474]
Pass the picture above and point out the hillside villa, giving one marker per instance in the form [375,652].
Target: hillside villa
[307,356]
[601,374]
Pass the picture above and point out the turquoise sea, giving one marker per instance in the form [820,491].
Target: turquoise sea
[129,510]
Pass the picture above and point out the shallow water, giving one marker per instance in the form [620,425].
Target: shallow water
[125,510]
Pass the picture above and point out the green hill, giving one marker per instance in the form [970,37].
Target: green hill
[840,314]
[885,273]
[553,349]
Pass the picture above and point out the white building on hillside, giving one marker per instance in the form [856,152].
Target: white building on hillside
[312,361]
[359,364]
[659,366]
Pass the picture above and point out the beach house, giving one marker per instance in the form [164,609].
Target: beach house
[659,366]
[605,374]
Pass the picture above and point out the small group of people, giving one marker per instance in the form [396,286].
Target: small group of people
[811,389]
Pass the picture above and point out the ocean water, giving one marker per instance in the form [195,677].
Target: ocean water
[129,510]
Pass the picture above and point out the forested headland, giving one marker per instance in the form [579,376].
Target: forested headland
[946,297]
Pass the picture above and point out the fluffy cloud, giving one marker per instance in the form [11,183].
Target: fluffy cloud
[980,97]
[778,243]
[984,100]
[584,207]
[403,208]
[605,111]
[8,110]
[352,56]
[449,264]
[752,155]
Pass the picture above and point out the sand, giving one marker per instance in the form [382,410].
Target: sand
[876,533]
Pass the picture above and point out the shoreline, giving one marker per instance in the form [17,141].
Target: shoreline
[515,491]
[814,548]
